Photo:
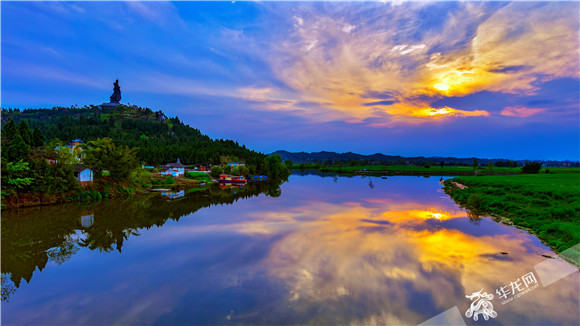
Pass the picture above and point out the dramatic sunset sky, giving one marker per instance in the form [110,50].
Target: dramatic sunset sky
[465,79]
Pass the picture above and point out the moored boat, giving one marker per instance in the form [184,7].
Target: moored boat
[225,178]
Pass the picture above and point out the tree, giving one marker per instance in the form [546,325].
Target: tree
[61,152]
[532,167]
[25,132]
[17,149]
[475,164]
[216,170]
[103,154]
[10,129]
[37,138]
[14,176]
[288,163]
[275,165]
[442,164]
[490,165]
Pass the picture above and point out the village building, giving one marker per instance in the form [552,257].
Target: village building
[201,167]
[173,169]
[83,174]
[236,164]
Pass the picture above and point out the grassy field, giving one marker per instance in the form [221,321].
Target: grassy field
[547,204]
[199,176]
[432,170]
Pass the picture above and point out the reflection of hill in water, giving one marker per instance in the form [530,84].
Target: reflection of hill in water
[32,237]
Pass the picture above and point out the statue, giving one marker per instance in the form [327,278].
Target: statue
[116,97]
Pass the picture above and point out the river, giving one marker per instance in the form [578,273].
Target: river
[316,250]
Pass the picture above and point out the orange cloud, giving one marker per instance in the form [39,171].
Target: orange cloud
[512,48]
[520,111]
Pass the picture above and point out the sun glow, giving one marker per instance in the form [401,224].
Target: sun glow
[442,111]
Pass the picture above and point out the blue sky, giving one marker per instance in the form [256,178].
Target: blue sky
[466,79]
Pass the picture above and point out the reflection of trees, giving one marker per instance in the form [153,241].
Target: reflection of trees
[65,251]
[32,237]
[474,217]
[371,185]
[103,239]
[8,287]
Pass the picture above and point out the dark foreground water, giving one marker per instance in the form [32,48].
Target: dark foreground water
[333,251]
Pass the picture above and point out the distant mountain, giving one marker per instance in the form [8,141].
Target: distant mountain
[378,158]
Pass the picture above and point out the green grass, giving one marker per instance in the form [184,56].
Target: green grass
[546,204]
[199,176]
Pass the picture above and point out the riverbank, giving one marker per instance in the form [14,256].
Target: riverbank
[413,170]
[104,189]
[544,204]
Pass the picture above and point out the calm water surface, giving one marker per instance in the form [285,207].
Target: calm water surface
[332,250]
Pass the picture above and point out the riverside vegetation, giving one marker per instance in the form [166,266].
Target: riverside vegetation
[546,204]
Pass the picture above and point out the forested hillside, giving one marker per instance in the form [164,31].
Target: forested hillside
[159,139]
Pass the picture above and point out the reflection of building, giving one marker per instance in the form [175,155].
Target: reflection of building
[87,220]
[83,174]
[173,169]
[236,164]
[174,195]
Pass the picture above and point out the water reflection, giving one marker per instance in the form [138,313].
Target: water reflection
[328,251]
[32,237]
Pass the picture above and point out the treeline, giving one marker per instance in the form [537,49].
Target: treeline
[35,172]
[352,159]
[25,168]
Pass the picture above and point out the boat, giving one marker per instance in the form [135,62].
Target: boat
[224,178]
[260,177]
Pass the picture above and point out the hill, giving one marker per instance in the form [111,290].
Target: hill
[382,159]
[159,139]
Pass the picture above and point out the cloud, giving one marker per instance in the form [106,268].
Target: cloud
[508,69]
[163,14]
[395,58]
[385,102]
[520,111]
[406,49]
[348,28]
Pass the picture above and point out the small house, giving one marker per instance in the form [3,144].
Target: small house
[83,174]
[236,164]
[173,169]
[200,167]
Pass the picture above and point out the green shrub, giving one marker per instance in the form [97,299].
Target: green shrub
[216,171]
[532,167]
[474,200]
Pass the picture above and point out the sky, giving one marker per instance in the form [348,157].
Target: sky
[485,79]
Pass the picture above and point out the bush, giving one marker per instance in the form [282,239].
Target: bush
[168,180]
[474,200]
[241,170]
[140,177]
[216,171]
[532,167]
